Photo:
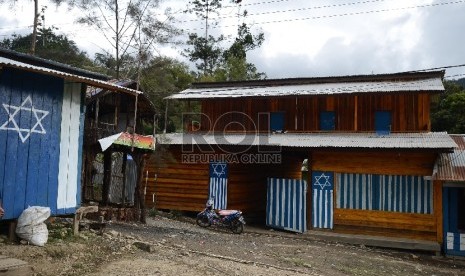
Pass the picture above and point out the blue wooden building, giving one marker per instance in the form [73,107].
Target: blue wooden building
[41,132]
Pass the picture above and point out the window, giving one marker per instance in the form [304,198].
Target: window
[327,120]
[277,121]
[391,193]
[383,122]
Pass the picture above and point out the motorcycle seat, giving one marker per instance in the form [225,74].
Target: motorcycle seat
[226,212]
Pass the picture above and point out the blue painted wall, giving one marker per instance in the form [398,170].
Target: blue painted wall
[393,193]
[286,206]
[218,188]
[454,238]
[30,137]
[322,207]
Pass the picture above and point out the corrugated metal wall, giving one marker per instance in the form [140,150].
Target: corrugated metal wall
[287,204]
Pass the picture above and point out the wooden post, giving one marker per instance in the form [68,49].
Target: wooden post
[106,176]
[437,206]
[139,199]
[309,191]
[166,117]
[12,231]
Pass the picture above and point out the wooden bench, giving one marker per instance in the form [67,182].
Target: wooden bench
[80,213]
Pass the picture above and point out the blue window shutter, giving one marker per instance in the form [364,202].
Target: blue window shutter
[277,121]
[327,120]
[383,122]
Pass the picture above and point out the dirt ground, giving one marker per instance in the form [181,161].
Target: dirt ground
[167,246]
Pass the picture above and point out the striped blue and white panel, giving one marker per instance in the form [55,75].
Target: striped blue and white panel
[286,206]
[322,209]
[218,188]
[393,193]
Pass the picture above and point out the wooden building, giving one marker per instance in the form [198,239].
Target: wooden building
[41,132]
[118,138]
[367,139]
[450,173]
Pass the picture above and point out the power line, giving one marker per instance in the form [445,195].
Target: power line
[342,14]
[318,7]
[442,67]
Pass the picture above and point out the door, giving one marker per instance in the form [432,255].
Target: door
[218,188]
[454,220]
[286,206]
[322,205]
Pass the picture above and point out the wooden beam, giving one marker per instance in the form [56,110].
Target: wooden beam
[438,213]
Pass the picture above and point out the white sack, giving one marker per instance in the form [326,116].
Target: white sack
[31,226]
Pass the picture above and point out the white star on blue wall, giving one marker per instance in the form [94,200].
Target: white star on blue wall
[325,178]
[219,169]
[26,106]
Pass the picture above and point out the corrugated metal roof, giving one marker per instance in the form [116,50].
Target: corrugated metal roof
[431,140]
[451,166]
[431,84]
[71,77]
[38,61]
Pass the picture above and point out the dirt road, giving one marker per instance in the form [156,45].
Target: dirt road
[171,247]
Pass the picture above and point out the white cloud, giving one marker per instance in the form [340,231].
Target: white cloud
[310,38]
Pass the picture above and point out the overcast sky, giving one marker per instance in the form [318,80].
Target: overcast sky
[307,38]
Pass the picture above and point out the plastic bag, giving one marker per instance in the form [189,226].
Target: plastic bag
[31,226]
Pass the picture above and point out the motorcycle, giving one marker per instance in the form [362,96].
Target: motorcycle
[231,219]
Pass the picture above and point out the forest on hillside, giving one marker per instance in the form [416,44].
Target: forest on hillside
[136,28]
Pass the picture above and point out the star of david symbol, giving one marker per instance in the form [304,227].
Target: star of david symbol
[27,106]
[326,181]
[219,169]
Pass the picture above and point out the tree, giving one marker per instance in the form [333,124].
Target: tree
[216,63]
[130,27]
[35,23]
[163,77]
[205,50]
[448,113]
[235,65]
[51,46]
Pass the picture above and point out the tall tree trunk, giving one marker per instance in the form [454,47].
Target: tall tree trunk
[139,198]
[117,39]
[34,29]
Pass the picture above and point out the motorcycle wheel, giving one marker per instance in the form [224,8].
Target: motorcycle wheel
[203,221]
[237,227]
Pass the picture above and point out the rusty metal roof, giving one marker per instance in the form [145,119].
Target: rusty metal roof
[430,140]
[451,166]
[386,83]
[6,62]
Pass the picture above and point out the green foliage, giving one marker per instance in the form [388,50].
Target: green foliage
[205,53]
[51,46]
[107,64]
[214,62]
[448,112]
[161,78]
[461,82]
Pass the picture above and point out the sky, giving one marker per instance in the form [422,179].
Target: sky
[303,38]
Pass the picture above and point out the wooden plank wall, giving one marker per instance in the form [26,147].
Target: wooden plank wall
[353,112]
[184,187]
[396,224]
[173,185]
